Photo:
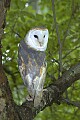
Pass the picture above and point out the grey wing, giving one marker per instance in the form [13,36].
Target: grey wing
[22,64]
[22,67]
[27,69]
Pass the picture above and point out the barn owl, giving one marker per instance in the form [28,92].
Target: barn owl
[32,63]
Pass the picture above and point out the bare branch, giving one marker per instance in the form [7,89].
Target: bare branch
[66,32]
[15,32]
[71,51]
[74,9]
[73,103]
[58,37]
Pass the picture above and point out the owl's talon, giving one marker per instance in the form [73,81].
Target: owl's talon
[29,98]
[45,90]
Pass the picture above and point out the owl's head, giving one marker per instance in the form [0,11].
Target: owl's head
[37,38]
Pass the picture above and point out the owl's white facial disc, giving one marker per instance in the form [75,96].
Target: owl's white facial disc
[37,39]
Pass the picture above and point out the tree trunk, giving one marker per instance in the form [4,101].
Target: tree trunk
[7,111]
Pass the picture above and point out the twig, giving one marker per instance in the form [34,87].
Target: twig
[53,59]
[66,32]
[69,22]
[13,31]
[71,51]
[58,37]
[73,103]
[16,33]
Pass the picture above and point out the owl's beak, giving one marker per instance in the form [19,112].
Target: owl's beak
[40,43]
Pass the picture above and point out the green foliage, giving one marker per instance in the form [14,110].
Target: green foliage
[20,18]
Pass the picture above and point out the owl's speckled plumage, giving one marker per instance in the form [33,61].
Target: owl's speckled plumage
[32,64]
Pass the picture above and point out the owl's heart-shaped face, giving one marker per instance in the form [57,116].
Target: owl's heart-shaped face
[37,39]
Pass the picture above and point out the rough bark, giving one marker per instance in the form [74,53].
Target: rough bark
[7,111]
[52,94]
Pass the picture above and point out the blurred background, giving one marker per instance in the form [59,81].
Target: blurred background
[60,55]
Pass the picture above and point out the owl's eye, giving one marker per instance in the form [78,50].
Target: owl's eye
[44,36]
[36,36]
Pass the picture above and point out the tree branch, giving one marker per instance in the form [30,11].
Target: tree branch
[74,9]
[71,51]
[58,37]
[73,103]
[53,92]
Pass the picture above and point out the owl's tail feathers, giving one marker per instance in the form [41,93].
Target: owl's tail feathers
[37,99]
